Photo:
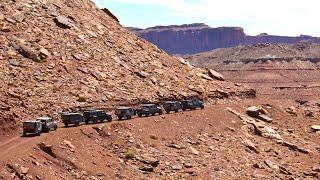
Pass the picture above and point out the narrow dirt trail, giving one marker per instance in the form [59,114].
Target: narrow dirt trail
[13,145]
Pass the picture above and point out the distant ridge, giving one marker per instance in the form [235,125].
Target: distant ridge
[199,37]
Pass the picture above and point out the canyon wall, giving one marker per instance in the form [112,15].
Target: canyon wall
[195,38]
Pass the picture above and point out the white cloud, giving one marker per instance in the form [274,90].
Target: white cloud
[287,17]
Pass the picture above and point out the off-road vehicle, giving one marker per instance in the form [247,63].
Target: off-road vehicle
[191,104]
[96,116]
[148,109]
[48,124]
[125,112]
[32,127]
[172,106]
[71,118]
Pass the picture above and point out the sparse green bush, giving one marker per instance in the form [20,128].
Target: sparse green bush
[82,98]
[129,154]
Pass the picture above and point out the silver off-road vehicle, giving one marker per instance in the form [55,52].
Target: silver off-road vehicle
[148,109]
[48,124]
[125,112]
[172,106]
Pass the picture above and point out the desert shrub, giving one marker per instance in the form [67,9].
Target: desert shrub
[129,154]
[82,98]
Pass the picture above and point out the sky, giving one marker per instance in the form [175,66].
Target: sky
[276,17]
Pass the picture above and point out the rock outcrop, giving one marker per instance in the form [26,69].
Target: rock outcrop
[195,38]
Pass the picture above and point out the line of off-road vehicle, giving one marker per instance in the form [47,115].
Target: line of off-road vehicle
[47,124]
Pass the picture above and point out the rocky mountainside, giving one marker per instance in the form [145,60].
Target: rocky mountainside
[60,54]
[195,38]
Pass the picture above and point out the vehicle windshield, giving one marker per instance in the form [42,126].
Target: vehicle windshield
[119,111]
[29,124]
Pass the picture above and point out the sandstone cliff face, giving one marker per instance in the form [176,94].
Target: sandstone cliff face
[194,38]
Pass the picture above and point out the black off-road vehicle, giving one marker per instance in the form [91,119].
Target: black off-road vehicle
[191,104]
[48,124]
[148,109]
[172,106]
[71,118]
[96,116]
[125,112]
[32,127]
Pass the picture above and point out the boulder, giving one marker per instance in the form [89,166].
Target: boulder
[184,62]
[295,147]
[19,17]
[215,75]
[97,75]
[69,144]
[44,53]
[147,159]
[206,77]
[13,62]
[258,112]
[27,52]
[291,110]
[142,74]
[176,167]
[315,128]
[47,148]
[265,118]
[146,168]
[194,151]
[24,170]
[83,70]
[63,22]
[271,165]
[250,145]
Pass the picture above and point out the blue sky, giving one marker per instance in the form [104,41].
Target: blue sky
[279,17]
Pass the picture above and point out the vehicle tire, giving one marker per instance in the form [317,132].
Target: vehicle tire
[87,122]
[110,120]
[24,134]
[66,125]
[160,113]
[140,115]
[147,114]
[183,109]
[202,107]
[119,117]
[167,112]
[55,127]
[128,117]
[77,124]
[38,134]
[176,111]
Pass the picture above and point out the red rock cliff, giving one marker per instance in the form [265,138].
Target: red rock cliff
[195,38]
